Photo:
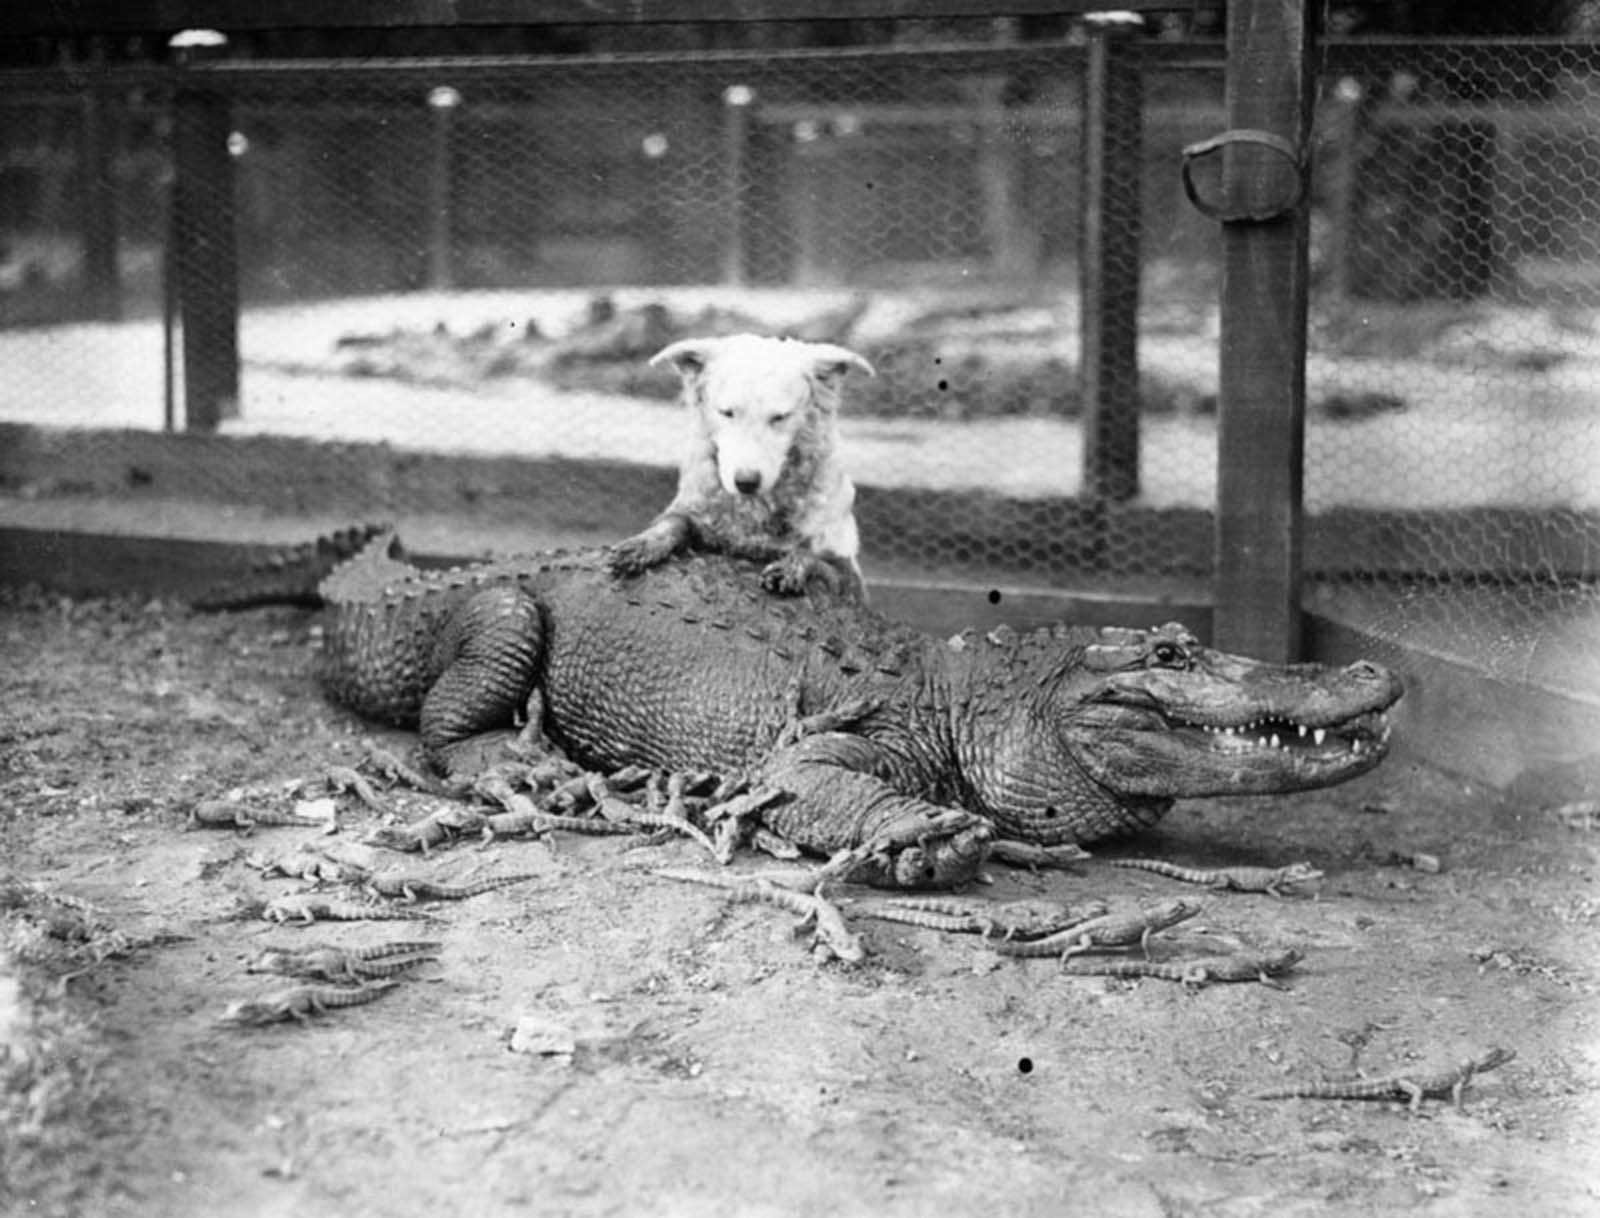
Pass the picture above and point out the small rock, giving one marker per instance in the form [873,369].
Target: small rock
[542,1036]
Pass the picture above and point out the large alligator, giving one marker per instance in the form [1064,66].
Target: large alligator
[1053,736]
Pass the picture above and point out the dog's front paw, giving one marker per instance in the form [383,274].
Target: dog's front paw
[789,575]
[638,554]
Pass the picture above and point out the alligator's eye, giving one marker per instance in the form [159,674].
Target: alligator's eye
[1169,655]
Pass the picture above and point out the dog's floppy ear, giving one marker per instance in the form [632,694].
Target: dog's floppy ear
[687,356]
[831,362]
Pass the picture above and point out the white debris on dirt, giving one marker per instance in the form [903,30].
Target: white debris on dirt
[541,1036]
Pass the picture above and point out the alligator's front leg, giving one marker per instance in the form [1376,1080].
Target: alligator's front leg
[487,658]
[893,840]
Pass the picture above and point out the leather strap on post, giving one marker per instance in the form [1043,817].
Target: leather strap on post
[1246,135]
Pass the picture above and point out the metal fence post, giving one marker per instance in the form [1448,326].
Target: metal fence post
[1261,414]
[206,258]
[736,103]
[1109,274]
[442,104]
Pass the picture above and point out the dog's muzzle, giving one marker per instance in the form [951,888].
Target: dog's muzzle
[747,482]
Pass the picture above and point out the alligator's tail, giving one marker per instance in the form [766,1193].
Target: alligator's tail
[293,576]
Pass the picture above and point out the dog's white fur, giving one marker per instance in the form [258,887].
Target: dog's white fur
[761,476]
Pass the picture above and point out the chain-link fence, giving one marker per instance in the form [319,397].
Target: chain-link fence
[479,256]
[1455,349]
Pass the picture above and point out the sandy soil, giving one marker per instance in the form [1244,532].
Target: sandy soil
[702,1062]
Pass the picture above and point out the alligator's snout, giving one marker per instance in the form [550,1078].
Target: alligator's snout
[1387,682]
[747,481]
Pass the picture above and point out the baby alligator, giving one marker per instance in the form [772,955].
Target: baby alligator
[1194,973]
[1112,930]
[1272,880]
[300,1002]
[1412,1086]
[420,888]
[1021,919]
[327,962]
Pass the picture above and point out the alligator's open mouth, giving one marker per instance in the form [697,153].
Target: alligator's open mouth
[1140,750]
[1351,737]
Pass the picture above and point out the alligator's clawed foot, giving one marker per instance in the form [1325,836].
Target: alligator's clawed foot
[734,820]
[944,850]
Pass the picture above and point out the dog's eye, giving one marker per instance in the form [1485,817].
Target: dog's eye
[725,411]
[778,420]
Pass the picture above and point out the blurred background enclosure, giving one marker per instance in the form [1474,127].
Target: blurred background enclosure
[395,245]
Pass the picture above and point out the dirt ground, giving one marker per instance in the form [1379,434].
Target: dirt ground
[679,1056]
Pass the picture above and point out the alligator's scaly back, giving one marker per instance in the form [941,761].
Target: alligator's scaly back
[706,663]
[464,640]
[292,576]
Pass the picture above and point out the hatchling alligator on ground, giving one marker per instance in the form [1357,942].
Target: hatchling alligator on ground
[1056,735]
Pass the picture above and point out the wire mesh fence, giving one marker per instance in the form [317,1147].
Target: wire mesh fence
[1455,347]
[480,256]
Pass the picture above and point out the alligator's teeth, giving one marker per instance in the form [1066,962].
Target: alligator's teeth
[1276,743]
[1301,728]
[1319,735]
[1262,741]
[1355,746]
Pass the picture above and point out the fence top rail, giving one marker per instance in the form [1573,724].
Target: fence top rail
[55,18]
[334,73]
[1339,54]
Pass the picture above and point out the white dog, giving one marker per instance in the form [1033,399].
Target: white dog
[761,477]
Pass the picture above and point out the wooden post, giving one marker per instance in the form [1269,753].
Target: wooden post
[1261,424]
[206,258]
[102,284]
[1109,269]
